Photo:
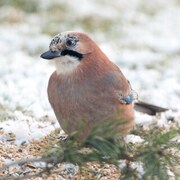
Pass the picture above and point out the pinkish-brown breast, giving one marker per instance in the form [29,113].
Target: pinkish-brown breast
[89,96]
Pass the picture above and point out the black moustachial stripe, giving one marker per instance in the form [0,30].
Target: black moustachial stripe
[72,53]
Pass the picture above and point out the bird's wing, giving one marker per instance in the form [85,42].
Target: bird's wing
[116,82]
[123,91]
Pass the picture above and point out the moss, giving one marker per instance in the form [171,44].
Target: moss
[148,8]
[5,113]
[93,23]
[25,5]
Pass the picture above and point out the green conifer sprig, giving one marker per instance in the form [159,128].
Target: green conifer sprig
[105,146]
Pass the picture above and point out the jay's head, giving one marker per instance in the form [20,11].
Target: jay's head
[69,50]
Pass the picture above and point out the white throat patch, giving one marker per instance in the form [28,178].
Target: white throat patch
[66,64]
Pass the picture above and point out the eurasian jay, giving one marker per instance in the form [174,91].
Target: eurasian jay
[87,87]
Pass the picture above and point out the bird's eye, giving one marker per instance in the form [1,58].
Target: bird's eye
[70,42]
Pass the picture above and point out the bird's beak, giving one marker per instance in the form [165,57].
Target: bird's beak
[50,54]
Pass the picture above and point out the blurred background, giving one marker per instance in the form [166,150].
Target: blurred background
[141,36]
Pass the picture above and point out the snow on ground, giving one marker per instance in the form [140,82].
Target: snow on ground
[25,128]
[23,84]
[142,38]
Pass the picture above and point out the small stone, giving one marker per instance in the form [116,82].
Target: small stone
[20,150]
[24,142]
[70,169]
[170,118]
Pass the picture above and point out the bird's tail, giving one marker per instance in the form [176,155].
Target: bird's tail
[148,108]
